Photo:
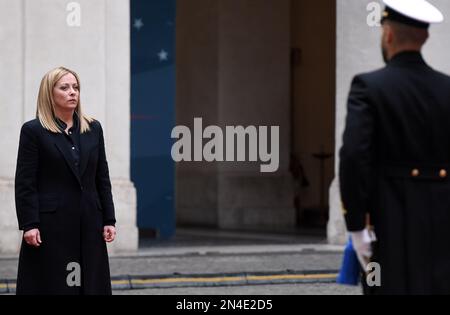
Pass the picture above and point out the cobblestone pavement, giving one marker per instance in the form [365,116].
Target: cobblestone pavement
[285,289]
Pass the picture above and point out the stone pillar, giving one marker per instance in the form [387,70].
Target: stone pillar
[11,116]
[39,38]
[233,69]
[117,113]
[197,91]
[358,50]
[254,89]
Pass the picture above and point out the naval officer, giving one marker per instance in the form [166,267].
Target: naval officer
[395,159]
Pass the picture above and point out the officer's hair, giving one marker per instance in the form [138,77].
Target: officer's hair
[45,111]
[406,34]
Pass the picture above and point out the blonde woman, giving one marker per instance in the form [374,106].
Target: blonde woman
[63,195]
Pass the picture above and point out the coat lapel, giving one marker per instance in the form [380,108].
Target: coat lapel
[86,144]
[64,149]
[84,152]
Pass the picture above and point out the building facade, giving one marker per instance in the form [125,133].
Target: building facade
[238,62]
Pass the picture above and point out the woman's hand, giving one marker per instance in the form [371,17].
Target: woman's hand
[33,237]
[109,233]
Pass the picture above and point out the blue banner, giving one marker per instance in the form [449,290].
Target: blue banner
[153,112]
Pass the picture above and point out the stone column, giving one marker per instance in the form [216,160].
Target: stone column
[357,50]
[197,86]
[117,121]
[254,89]
[11,116]
[233,69]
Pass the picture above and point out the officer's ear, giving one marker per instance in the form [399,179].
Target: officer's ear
[389,33]
[387,36]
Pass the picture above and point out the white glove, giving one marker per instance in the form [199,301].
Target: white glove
[362,243]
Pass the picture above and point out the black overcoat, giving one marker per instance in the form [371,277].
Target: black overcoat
[395,165]
[69,205]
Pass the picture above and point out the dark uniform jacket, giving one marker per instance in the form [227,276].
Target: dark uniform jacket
[68,197]
[395,165]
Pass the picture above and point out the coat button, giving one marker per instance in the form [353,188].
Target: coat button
[443,174]
[415,173]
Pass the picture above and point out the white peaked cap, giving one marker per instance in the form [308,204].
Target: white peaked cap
[419,10]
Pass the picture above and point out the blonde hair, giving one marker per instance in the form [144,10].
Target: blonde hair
[46,106]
